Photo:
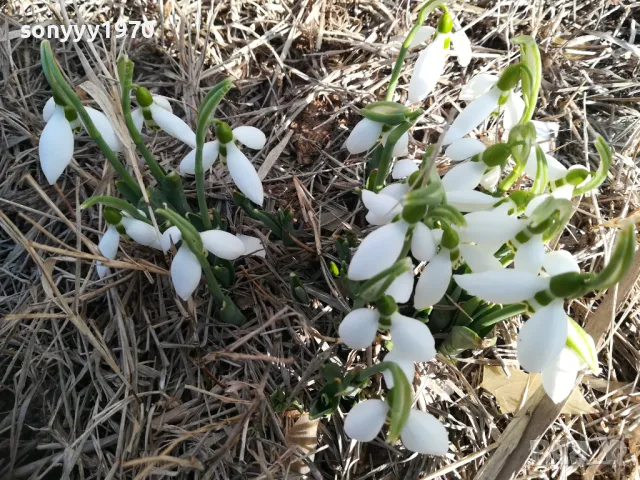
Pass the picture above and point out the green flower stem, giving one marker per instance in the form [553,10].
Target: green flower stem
[530,58]
[425,10]
[211,101]
[541,180]
[116,203]
[606,159]
[125,68]
[50,64]
[392,139]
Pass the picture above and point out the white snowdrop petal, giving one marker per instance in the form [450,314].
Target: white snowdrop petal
[535,203]
[384,208]
[373,219]
[464,148]
[529,257]
[401,147]
[478,259]
[513,110]
[48,109]
[403,168]
[542,337]
[413,338]
[396,190]
[185,272]
[559,377]
[558,262]
[222,244]
[401,288]
[173,125]
[108,244]
[555,170]
[423,245]
[423,34]
[101,270]
[490,229]
[462,47]
[171,235]
[478,86]
[142,232]
[138,119]
[363,136]
[251,137]
[473,115]
[103,126]
[433,281]
[210,152]
[502,286]
[56,146]
[491,178]
[358,329]
[563,192]
[428,69]
[470,200]
[244,174]
[378,251]
[423,433]
[162,102]
[464,176]
[365,420]
[407,366]
[252,245]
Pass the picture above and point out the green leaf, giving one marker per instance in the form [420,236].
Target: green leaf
[174,192]
[606,159]
[400,400]
[116,203]
[230,313]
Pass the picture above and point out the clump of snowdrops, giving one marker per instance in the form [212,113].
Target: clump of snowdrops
[477,240]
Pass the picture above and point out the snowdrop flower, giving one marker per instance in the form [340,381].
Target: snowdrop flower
[242,172]
[57,141]
[406,365]
[487,94]
[155,111]
[108,247]
[403,169]
[431,61]
[252,245]
[378,251]
[141,232]
[384,205]
[490,229]
[366,134]
[422,433]
[410,336]
[185,267]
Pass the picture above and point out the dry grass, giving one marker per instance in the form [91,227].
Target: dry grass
[120,379]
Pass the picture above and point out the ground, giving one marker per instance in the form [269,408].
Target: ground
[165,388]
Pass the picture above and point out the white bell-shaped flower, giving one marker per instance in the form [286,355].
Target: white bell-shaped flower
[464,176]
[358,329]
[407,366]
[423,433]
[413,338]
[428,69]
[185,267]
[382,207]
[424,245]
[491,178]
[490,229]
[244,175]
[364,136]
[542,337]
[502,286]
[530,255]
[478,259]
[159,115]
[138,116]
[461,46]
[559,377]
[252,245]
[56,145]
[402,287]
[142,232]
[108,247]
[558,262]
[471,200]
[366,419]
[434,281]
[464,148]
[378,251]
[403,169]
[473,115]
[402,145]
[103,126]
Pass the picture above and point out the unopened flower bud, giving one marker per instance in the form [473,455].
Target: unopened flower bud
[413,213]
[385,112]
[445,24]
[450,238]
[143,97]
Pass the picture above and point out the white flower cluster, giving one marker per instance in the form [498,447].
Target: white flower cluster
[469,221]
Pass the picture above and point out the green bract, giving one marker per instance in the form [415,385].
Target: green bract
[389,113]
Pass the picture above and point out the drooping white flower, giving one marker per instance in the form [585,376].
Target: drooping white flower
[422,433]
[384,205]
[378,251]
[464,176]
[490,229]
[530,255]
[407,366]
[402,287]
[158,115]
[410,336]
[185,267]
[464,148]
[484,95]
[559,377]
[542,337]
[502,286]
[108,247]
[142,232]
[242,172]
[403,169]
[471,200]
[366,134]
[57,141]
[434,280]
[252,246]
